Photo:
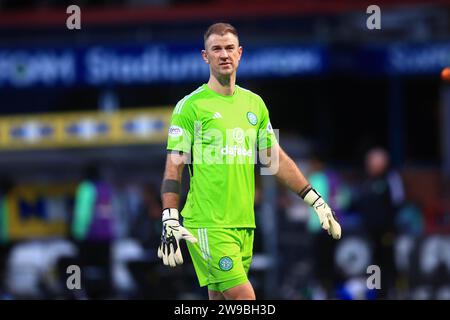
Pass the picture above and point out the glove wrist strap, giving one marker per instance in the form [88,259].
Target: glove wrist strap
[304,191]
[311,197]
[170,214]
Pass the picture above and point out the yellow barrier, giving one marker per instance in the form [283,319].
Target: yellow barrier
[36,211]
[85,129]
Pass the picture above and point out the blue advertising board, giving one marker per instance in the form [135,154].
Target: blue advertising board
[144,64]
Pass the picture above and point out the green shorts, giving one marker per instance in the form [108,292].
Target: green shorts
[221,257]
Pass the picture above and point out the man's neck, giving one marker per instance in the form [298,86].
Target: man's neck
[224,86]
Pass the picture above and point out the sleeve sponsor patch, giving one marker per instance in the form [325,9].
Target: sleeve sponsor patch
[175,131]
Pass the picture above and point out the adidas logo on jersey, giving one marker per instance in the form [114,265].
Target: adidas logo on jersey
[217,115]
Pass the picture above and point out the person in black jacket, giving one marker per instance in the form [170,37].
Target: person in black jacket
[380,196]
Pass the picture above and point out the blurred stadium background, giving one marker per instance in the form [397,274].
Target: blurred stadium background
[93,105]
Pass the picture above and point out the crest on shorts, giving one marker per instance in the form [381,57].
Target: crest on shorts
[225,263]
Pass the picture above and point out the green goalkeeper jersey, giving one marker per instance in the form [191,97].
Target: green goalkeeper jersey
[222,134]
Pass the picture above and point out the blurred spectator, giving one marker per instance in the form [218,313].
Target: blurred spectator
[93,228]
[146,225]
[5,187]
[328,183]
[379,199]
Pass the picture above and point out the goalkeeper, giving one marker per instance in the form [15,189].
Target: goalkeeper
[216,130]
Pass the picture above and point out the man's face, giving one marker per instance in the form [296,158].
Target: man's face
[377,162]
[222,53]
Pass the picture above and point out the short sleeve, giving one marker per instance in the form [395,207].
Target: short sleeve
[181,129]
[266,135]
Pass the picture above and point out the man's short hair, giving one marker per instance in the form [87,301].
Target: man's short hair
[220,28]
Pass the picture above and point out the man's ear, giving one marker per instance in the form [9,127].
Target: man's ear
[240,53]
[205,57]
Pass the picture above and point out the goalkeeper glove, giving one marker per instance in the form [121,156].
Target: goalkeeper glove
[169,249]
[326,216]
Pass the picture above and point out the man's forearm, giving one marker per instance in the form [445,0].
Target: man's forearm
[170,199]
[171,185]
[290,175]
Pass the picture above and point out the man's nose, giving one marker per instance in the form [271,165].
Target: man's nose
[223,54]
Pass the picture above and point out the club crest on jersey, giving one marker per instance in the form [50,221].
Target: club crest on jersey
[225,263]
[175,131]
[252,118]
